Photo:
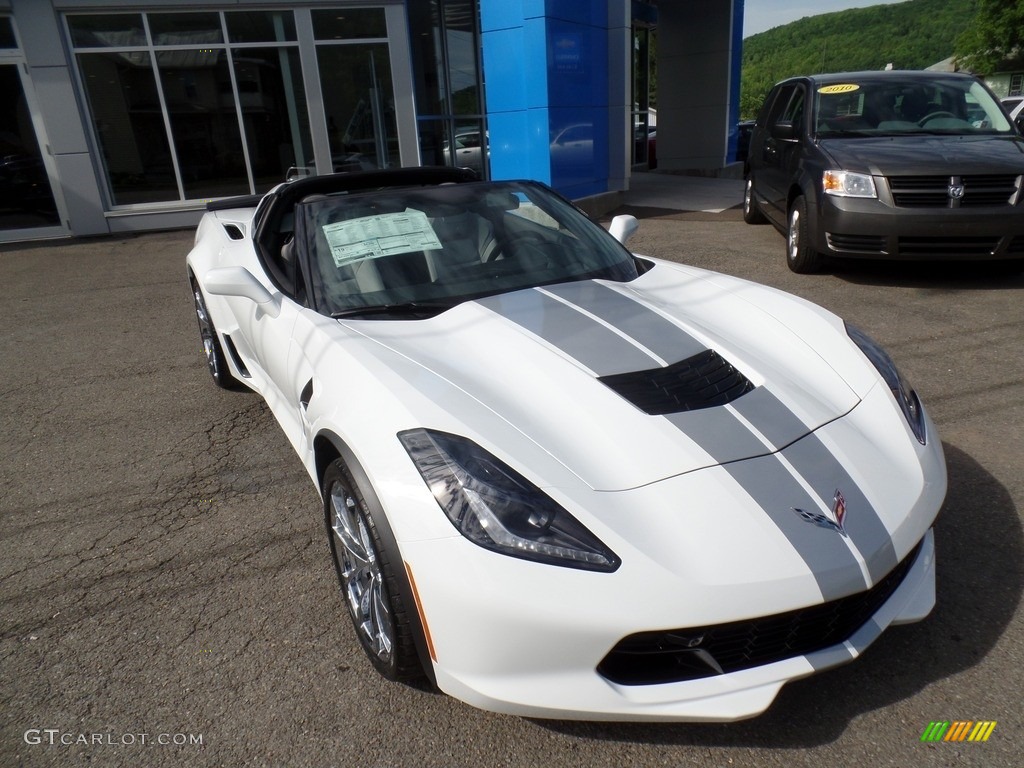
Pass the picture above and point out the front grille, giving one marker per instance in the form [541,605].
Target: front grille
[672,656]
[948,247]
[701,381]
[857,243]
[979,190]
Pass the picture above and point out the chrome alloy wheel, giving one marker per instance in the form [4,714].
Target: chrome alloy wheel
[793,237]
[361,577]
[206,334]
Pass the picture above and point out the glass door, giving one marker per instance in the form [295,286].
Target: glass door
[357,90]
[645,123]
[28,206]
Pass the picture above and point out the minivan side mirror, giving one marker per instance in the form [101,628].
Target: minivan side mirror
[784,131]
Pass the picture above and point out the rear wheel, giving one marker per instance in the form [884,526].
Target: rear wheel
[215,359]
[800,253]
[366,575]
[751,213]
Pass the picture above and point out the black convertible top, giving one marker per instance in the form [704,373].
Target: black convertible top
[272,221]
[288,193]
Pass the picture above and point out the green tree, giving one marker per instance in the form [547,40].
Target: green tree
[994,35]
[910,35]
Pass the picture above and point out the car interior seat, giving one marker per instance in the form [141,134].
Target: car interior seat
[467,240]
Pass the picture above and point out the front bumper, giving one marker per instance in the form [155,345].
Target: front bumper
[878,229]
[703,549]
[572,690]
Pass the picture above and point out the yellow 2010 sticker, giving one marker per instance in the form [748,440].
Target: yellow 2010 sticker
[844,88]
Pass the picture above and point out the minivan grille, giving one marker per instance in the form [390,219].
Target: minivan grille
[978,190]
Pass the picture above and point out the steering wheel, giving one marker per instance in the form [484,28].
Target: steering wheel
[930,115]
[513,243]
[529,249]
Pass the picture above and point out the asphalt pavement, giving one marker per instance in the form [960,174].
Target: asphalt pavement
[166,592]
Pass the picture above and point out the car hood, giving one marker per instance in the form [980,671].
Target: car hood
[922,155]
[540,359]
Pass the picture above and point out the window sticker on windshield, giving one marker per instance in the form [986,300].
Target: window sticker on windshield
[843,88]
[371,237]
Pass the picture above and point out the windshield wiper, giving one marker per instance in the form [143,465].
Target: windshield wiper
[400,308]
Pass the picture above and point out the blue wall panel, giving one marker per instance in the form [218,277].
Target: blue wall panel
[546,76]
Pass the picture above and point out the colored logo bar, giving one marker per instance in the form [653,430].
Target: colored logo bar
[958,730]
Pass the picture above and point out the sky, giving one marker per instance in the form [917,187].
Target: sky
[761,15]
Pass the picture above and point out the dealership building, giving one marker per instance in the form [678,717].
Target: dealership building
[130,116]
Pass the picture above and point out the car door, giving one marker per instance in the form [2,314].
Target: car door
[781,139]
[268,329]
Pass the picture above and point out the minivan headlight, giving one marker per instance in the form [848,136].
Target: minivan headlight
[848,184]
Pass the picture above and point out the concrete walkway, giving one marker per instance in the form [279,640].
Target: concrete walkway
[672,192]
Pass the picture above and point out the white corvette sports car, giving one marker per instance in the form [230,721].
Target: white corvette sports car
[559,479]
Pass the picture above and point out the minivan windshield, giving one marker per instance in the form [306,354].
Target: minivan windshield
[896,106]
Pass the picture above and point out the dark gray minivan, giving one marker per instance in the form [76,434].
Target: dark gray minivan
[887,165]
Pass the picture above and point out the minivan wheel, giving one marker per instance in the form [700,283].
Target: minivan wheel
[800,254]
[751,213]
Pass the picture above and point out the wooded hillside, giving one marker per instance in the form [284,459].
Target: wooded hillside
[910,35]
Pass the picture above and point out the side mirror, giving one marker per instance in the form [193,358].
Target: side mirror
[238,281]
[623,227]
[784,131]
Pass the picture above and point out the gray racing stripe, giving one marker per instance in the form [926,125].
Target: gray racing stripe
[580,337]
[826,475]
[727,438]
[829,657]
[771,418]
[771,485]
[653,331]
[865,636]
[720,433]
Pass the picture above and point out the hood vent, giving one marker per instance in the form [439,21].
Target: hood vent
[702,381]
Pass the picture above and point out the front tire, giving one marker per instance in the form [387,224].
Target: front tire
[367,577]
[751,212]
[215,358]
[800,254]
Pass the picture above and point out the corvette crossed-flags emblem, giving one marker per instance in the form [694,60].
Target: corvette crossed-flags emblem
[834,523]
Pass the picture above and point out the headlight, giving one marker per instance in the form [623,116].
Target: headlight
[495,507]
[905,396]
[847,184]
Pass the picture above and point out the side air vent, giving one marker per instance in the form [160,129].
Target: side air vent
[229,345]
[702,381]
[234,231]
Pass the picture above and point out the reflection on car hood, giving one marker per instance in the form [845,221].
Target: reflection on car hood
[535,358]
[924,155]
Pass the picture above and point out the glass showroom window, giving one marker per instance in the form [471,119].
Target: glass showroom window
[27,202]
[172,94]
[452,130]
[356,87]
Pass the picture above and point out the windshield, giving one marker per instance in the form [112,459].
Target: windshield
[402,252]
[895,106]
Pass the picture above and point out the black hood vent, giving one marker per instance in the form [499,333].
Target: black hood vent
[702,381]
